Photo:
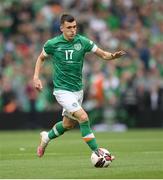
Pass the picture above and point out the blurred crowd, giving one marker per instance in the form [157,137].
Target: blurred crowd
[126,85]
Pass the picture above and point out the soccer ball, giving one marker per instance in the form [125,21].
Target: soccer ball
[102,158]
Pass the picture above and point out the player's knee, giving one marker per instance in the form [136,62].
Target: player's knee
[83,117]
[69,125]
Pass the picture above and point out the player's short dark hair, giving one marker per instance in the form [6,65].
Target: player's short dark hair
[67,17]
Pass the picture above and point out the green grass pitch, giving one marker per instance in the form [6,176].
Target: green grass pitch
[139,155]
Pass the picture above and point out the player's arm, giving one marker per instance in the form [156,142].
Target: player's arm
[107,55]
[36,80]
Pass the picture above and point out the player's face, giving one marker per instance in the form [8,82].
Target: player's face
[69,30]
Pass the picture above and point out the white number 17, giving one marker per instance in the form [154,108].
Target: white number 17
[69,54]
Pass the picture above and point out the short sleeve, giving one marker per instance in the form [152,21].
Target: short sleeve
[89,45]
[48,48]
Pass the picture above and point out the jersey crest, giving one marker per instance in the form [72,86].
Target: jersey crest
[77,46]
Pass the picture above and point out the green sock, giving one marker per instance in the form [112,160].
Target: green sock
[88,135]
[57,130]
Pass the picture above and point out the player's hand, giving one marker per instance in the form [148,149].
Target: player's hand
[118,54]
[37,84]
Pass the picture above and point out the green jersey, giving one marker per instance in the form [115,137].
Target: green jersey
[67,58]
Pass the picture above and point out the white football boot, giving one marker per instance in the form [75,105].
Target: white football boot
[44,140]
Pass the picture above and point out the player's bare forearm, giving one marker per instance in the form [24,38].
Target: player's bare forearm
[109,56]
[39,63]
[36,81]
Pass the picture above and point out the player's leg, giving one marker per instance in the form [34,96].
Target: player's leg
[58,129]
[71,102]
[86,131]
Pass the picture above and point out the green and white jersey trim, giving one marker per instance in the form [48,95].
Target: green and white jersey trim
[44,53]
[94,48]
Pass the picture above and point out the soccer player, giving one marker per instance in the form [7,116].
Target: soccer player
[67,51]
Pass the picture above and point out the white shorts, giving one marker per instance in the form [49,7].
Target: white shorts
[70,101]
